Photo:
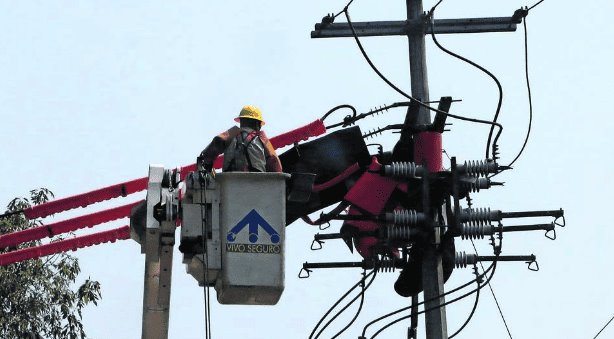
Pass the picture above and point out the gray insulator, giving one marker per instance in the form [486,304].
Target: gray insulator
[398,232]
[476,231]
[479,216]
[479,168]
[403,170]
[386,265]
[462,259]
[478,184]
[403,217]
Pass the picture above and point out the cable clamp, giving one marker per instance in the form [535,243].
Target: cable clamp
[519,14]
[478,278]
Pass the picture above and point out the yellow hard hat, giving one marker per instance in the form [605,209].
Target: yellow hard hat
[251,112]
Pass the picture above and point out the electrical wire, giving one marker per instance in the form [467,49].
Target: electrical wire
[497,82]
[353,116]
[437,4]
[492,291]
[206,295]
[344,9]
[362,299]
[364,330]
[539,2]
[436,307]
[603,328]
[475,306]
[526,72]
[338,302]
[398,90]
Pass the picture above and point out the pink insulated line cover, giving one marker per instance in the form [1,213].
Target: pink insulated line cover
[64,226]
[65,245]
[85,199]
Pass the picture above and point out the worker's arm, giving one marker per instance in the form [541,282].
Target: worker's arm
[216,147]
[272,161]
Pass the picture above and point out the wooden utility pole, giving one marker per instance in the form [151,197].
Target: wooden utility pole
[415,28]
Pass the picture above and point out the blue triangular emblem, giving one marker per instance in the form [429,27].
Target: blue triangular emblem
[253,221]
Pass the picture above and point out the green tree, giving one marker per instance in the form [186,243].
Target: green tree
[38,298]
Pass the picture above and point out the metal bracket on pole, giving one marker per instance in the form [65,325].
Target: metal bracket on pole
[158,248]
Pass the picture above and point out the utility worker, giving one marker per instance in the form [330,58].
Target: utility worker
[246,148]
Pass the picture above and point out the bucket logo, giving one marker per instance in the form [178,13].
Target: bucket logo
[253,221]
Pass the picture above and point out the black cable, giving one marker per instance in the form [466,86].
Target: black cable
[364,330]
[475,306]
[437,4]
[338,302]
[206,295]
[335,109]
[362,300]
[526,72]
[344,9]
[539,2]
[398,90]
[603,328]
[499,103]
[492,291]
[436,307]
[493,265]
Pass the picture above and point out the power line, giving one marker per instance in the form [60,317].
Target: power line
[362,301]
[497,82]
[603,328]
[539,2]
[492,291]
[398,90]
[475,306]
[526,72]
[494,267]
[206,296]
[337,303]
[364,330]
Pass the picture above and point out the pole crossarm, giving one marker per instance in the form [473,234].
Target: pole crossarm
[406,27]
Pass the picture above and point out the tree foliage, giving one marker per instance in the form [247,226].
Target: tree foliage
[39,297]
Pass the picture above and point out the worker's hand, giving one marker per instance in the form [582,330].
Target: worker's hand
[203,167]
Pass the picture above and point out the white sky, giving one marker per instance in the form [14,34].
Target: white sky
[93,92]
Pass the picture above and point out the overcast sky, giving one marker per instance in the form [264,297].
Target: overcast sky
[92,92]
